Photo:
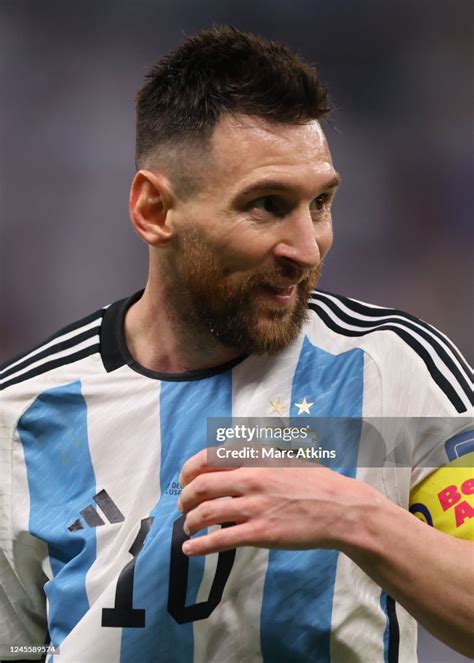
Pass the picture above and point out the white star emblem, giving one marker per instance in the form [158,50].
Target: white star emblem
[304,406]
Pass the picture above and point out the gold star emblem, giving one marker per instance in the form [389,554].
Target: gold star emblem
[304,406]
[278,406]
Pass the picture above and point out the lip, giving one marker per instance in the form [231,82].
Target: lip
[283,295]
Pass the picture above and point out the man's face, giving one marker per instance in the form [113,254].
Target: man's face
[250,244]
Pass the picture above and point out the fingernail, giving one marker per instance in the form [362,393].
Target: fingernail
[186,547]
[186,529]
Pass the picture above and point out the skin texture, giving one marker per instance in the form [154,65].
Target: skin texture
[239,246]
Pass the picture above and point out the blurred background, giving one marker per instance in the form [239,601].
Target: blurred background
[400,76]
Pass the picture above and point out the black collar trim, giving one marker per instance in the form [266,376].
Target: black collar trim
[114,351]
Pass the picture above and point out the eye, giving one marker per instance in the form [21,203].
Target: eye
[267,204]
[320,203]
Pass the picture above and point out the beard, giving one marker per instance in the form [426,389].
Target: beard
[208,303]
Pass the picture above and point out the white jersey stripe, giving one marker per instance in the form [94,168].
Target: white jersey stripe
[107,441]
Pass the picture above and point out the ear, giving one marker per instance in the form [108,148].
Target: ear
[150,202]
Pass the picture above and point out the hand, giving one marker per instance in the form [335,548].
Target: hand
[276,507]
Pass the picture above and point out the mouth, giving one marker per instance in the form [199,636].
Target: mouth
[281,294]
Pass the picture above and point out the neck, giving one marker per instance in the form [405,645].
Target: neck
[160,338]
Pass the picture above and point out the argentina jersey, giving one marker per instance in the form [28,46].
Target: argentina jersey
[92,445]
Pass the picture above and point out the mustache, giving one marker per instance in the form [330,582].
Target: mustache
[284,276]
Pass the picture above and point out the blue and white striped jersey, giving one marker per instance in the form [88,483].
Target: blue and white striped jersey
[91,449]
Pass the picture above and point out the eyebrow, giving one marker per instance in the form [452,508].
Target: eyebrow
[277,185]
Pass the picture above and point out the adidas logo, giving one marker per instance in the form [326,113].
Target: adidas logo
[92,517]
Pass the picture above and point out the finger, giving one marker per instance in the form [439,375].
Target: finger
[199,464]
[207,487]
[192,467]
[214,512]
[222,539]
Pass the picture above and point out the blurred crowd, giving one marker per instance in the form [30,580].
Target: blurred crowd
[400,78]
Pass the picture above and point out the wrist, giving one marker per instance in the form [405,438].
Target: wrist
[362,522]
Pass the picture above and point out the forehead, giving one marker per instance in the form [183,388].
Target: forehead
[246,149]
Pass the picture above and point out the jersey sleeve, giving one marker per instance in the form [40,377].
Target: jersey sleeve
[23,622]
[442,479]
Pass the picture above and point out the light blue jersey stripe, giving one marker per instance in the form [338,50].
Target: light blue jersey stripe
[61,480]
[299,585]
[184,409]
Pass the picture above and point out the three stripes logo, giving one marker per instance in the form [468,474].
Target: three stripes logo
[91,516]
[71,344]
[446,366]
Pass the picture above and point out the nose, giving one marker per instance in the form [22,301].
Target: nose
[299,243]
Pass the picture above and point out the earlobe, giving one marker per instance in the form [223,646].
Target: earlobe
[150,202]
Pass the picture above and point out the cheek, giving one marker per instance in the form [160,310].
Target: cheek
[243,254]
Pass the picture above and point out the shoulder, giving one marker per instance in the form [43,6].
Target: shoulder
[48,360]
[407,351]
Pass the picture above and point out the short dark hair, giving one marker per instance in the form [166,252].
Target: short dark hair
[223,71]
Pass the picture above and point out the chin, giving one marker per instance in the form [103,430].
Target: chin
[274,336]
